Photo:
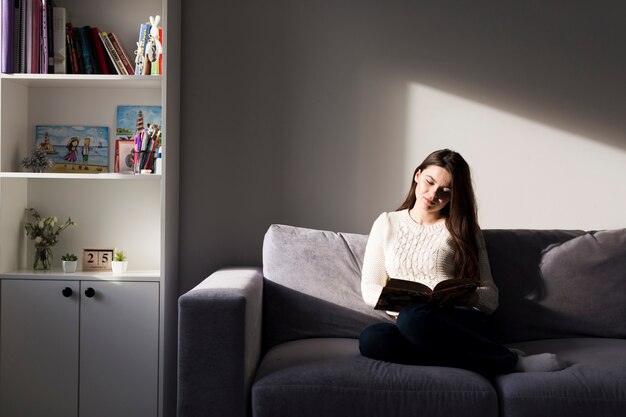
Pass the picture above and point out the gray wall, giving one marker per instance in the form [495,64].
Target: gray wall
[296,111]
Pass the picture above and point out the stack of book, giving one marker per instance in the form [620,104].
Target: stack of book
[38,38]
[27,36]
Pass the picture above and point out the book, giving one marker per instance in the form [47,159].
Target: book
[21,35]
[115,58]
[59,20]
[85,47]
[144,31]
[35,39]
[398,293]
[161,54]
[28,33]
[121,53]
[78,45]
[50,35]
[8,19]
[43,38]
[101,55]
[71,50]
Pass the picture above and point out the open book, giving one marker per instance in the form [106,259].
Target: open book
[398,293]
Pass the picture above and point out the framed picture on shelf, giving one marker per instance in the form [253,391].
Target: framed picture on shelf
[75,149]
[124,156]
[131,120]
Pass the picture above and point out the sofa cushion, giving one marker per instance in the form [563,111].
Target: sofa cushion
[313,285]
[594,383]
[558,283]
[329,377]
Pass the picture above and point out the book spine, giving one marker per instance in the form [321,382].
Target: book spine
[22,40]
[75,69]
[144,31]
[95,63]
[156,66]
[43,39]
[161,54]
[85,49]
[35,36]
[121,53]
[8,19]
[49,6]
[59,21]
[80,59]
[100,54]
[117,62]
[28,33]
[16,35]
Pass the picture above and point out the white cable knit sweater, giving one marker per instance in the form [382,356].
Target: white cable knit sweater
[399,247]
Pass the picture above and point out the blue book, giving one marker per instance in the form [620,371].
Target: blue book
[144,33]
[86,50]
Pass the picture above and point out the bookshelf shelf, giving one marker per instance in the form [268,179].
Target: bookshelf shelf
[84,80]
[94,177]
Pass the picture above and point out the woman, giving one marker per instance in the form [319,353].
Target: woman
[434,236]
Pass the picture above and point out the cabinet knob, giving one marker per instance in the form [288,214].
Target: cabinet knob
[67,292]
[90,292]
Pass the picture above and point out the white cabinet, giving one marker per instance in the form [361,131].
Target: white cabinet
[79,348]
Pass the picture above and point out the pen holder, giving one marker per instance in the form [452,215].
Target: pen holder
[143,160]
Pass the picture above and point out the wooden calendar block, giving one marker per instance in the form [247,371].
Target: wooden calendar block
[97,259]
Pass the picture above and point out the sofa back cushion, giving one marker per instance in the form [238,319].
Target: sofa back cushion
[313,285]
[552,283]
[556,283]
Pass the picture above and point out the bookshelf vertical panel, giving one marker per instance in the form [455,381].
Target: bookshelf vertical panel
[13,201]
[13,124]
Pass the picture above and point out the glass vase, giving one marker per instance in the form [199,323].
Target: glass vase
[43,257]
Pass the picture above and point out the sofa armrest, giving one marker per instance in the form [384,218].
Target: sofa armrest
[219,343]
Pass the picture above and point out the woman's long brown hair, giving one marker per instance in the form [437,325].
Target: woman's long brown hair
[460,212]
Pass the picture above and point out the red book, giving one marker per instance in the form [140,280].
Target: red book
[72,55]
[100,54]
[120,51]
[161,56]
[35,37]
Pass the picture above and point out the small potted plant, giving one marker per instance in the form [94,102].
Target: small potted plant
[38,161]
[119,263]
[69,262]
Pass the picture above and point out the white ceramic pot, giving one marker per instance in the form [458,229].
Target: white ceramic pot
[119,267]
[69,266]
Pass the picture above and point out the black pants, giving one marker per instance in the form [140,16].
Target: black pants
[441,336]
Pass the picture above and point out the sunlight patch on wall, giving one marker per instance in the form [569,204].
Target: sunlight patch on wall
[527,174]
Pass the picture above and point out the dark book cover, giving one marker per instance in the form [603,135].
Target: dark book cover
[398,293]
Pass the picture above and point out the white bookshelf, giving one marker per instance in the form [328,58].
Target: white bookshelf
[135,213]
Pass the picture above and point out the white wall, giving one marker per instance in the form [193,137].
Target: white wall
[527,174]
[312,113]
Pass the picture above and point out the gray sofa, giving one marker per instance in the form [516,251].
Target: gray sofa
[283,340]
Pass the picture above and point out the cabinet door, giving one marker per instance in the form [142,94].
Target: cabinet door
[39,348]
[119,346]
